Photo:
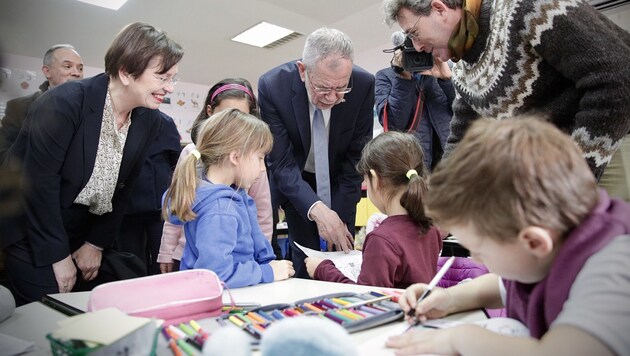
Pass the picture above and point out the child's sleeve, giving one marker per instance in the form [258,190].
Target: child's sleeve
[217,235]
[380,262]
[326,271]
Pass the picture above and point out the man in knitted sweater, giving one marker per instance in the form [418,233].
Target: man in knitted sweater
[560,59]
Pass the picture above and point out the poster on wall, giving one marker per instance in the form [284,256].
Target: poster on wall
[16,83]
[183,106]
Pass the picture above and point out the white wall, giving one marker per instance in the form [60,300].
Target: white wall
[23,76]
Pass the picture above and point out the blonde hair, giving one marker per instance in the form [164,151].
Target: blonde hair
[224,132]
[506,175]
[392,155]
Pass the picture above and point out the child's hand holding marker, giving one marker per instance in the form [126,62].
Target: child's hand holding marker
[416,303]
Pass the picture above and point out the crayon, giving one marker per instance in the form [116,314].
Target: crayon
[194,343]
[243,318]
[370,301]
[247,327]
[340,301]
[312,307]
[171,343]
[349,314]
[178,333]
[266,315]
[321,306]
[188,350]
[333,318]
[290,312]
[187,329]
[198,329]
[277,314]
[259,327]
[328,304]
[256,317]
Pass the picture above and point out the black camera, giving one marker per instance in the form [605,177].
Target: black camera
[414,61]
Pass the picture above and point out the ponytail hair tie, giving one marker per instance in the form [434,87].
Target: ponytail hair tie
[411,173]
[196,154]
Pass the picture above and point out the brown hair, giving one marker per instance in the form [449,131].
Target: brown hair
[506,175]
[391,155]
[228,94]
[224,132]
[134,47]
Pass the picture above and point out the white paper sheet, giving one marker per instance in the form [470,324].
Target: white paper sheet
[348,263]
[102,327]
[507,326]
[14,346]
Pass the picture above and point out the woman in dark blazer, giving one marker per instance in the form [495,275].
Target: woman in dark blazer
[81,149]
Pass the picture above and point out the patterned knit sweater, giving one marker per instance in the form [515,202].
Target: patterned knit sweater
[557,58]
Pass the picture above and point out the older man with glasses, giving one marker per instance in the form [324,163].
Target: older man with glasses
[320,111]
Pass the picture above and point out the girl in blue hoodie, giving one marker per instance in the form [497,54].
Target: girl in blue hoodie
[219,217]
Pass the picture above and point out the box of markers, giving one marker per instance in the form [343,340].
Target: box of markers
[353,311]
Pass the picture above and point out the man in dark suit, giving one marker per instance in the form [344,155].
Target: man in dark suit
[62,63]
[324,80]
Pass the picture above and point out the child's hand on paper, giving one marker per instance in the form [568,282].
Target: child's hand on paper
[424,341]
[311,265]
[435,305]
[282,269]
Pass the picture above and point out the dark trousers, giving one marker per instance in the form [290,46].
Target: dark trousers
[40,281]
[30,283]
[304,232]
[141,235]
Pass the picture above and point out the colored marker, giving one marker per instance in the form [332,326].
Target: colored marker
[171,343]
[187,329]
[266,315]
[438,276]
[247,327]
[333,317]
[174,333]
[256,317]
[277,314]
[198,329]
[370,301]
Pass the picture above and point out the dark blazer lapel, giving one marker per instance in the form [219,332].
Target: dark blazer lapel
[301,112]
[93,113]
[137,138]
[338,125]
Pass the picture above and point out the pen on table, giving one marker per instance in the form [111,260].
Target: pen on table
[171,342]
[180,339]
[193,338]
[432,285]
[198,329]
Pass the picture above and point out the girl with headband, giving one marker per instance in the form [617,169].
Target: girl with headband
[405,247]
[208,196]
[228,93]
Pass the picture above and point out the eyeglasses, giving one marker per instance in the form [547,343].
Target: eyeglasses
[166,80]
[326,91]
[411,32]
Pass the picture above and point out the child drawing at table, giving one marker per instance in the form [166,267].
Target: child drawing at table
[219,218]
[520,196]
[404,248]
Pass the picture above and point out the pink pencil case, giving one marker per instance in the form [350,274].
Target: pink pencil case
[175,297]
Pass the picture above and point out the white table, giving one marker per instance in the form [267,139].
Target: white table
[33,321]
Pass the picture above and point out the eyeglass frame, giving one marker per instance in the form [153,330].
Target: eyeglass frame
[326,91]
[166,80]
[409,33]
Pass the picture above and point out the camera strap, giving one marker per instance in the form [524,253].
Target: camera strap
[417,116]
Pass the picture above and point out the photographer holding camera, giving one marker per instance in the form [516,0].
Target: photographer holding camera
[414,95]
